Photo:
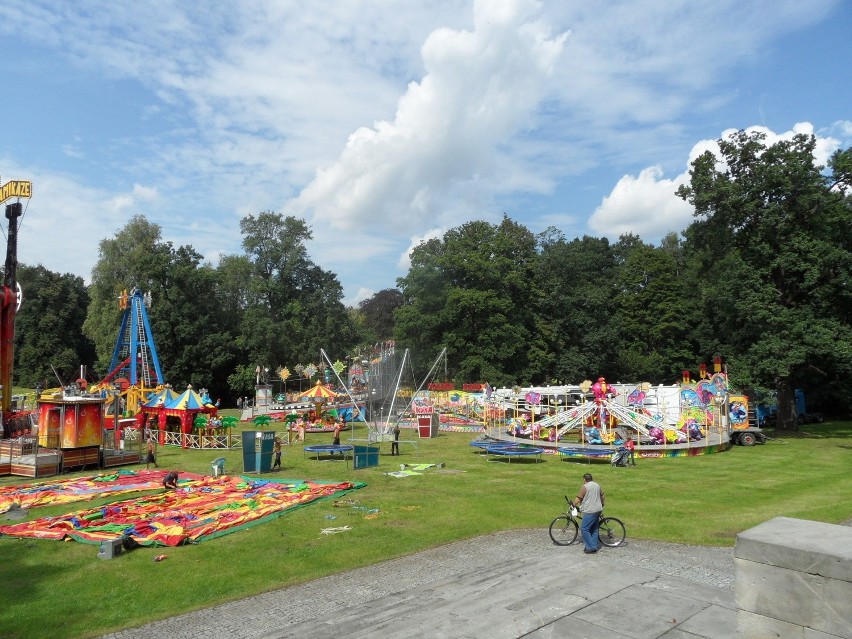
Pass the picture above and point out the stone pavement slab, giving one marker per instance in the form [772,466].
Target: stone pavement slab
[503,586]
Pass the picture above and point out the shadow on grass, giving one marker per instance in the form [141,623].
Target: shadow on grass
[515,459]
[826,430]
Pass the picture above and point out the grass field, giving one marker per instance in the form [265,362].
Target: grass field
[52,589]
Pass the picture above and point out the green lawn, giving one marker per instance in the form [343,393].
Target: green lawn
[55,589]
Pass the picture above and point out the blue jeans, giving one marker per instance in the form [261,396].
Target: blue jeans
[589,529]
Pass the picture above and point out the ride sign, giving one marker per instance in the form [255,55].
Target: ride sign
[16,188]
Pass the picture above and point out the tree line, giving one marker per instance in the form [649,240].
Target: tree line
[761,277]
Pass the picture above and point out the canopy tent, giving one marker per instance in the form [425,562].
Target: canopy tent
[160,398]
[319,395]
[185,406]
[188,400]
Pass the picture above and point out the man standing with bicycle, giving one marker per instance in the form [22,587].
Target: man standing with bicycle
[590,501]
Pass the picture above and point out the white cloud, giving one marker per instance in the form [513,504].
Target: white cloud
[480,88]
[385,119]
[64,222]
[404,262]
[73,152]
[360,296]
[844,128]
[647,205]
[825,146]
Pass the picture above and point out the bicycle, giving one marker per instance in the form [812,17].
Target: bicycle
[564,529]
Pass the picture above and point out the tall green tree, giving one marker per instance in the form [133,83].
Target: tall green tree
[49,328]
[134,256]
[577,280]
[474,291]
[378,313]
[289,307]
[654,314]
[775,233]
[190,326]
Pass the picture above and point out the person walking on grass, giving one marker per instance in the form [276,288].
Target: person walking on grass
[277,451]
[150,457]
[590,501]
[395,442]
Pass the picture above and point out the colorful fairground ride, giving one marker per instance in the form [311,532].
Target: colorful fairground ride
[67,428]
[318,409]
[592,421]
[134,371]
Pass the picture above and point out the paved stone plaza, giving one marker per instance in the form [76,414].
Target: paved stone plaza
[501,586]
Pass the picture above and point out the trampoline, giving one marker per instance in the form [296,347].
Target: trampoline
[514,451]
[345,450]
[484,444]
[586,454]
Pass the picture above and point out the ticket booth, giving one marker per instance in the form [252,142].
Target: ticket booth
[427,422]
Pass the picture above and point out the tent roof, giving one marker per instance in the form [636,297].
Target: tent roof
[188,400]
[167,395]
[318,392]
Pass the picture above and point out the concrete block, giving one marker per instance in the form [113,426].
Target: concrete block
[812,547]
[752,626]
[796,573]
[808,600]
[810,633]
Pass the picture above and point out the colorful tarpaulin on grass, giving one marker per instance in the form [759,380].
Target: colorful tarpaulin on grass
[198,510]
[67,491]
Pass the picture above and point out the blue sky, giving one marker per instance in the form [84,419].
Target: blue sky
[383,123]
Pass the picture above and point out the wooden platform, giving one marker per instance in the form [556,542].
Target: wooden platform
[110,458]
[47,463]
[81,457]
[23,458]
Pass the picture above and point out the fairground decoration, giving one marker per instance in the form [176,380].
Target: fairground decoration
[16,188]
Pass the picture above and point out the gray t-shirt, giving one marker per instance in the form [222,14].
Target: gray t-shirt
[592,502]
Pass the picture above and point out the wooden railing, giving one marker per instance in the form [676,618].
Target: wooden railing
[205,441]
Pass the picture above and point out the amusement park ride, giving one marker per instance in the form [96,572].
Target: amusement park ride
[134,371]
[77,425]
[10,297]
[102,424]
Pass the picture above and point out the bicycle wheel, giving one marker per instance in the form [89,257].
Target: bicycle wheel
[612,532]
[563,531]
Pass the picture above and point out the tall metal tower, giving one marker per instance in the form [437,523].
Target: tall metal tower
[135,355]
